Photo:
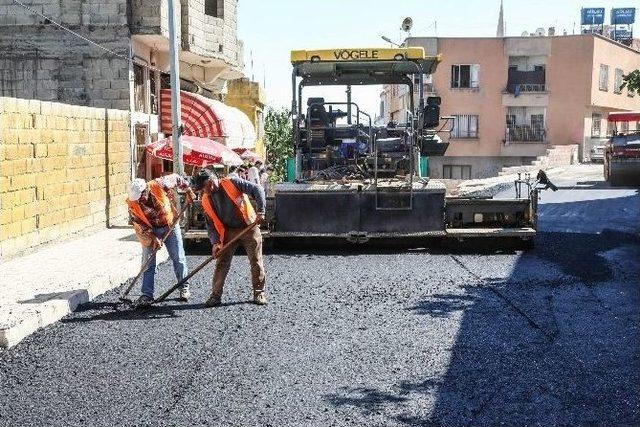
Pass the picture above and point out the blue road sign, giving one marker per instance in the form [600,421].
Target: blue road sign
[623,16]
[593,16]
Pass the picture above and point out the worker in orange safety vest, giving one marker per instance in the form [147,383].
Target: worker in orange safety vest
[228,211]
[152,211]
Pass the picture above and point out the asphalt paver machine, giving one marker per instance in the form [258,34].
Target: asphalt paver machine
[358,181]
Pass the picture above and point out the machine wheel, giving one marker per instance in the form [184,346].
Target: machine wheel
[399,57]
[315,58]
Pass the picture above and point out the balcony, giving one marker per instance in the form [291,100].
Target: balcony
[526,82]
[525,133]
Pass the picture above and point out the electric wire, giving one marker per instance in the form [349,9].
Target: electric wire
[86,39]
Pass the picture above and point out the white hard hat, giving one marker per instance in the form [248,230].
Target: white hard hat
[136,188]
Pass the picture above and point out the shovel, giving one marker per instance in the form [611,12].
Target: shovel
[205,262]
[124,297]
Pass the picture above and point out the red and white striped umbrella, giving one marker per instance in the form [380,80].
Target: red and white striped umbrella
[197,151]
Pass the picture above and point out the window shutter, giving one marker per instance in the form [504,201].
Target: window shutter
[475,75]
[473,126]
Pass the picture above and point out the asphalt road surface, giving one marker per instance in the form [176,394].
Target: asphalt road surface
[411,337]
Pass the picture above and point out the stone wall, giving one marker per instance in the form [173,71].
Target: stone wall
[64,170]
[40,61]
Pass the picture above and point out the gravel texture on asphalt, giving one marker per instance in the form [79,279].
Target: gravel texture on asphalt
[374,337]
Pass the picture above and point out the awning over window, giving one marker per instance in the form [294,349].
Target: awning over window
[209,118]
[624,116]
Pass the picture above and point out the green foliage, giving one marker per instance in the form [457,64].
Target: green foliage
[632,81]
[278,141]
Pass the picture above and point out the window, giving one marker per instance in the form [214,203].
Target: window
[596,124]
[537,121]
[456,171]
[624,127]
[465,126]
[604,77]
[153,98]
[139,93]
[617,84]
[465,76]
[214,8]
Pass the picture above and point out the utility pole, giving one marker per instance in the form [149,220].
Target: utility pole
[176,111]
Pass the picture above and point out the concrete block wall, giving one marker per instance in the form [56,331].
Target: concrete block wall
[40,61]
[212,36]
[64,170]
[150,17]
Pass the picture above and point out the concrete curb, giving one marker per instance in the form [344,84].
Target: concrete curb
[43,313]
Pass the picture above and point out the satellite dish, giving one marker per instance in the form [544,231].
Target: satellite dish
[525,34]
[540,32]
[407,24]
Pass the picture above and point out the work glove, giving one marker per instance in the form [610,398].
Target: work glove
[190,196]
[215,250]
[157,243]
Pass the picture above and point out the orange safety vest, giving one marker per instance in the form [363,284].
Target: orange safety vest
[160,195]
[239,199]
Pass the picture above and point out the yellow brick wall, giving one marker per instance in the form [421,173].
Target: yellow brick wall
[63,170]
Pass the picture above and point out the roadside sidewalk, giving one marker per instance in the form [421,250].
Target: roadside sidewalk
[42,287]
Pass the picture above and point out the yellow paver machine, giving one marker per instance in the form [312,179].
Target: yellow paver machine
[358,181]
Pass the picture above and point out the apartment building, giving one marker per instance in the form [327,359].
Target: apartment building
[512,98]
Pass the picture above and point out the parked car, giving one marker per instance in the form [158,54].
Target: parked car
[597,154]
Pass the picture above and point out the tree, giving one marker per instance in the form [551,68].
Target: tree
[278,141]
[632,81]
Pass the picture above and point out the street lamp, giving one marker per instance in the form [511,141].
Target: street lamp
[388,40]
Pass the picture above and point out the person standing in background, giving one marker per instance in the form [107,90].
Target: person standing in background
[253,173]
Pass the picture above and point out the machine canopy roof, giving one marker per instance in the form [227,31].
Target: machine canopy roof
[362,66]
[363,72]
[357,54]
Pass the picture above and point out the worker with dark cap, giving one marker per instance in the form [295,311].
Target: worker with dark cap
[228,211]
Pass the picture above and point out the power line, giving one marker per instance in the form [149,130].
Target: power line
[86,39]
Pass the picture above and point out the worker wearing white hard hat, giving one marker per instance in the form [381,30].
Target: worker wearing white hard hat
[152,209]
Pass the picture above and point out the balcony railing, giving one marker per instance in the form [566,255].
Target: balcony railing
[525,133]
[526,88]
[526,81]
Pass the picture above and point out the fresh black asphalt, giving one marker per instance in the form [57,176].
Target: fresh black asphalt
[371,337]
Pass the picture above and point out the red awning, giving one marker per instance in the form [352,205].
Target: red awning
[197,151]
[624,116]
[209,118]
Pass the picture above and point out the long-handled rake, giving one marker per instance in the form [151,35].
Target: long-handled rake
[205,262]
[124,297]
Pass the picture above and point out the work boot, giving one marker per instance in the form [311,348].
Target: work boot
[213,301]
[144,301]
[260,298]
[185,294]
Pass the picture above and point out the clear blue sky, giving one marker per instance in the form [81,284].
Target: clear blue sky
[271,29]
